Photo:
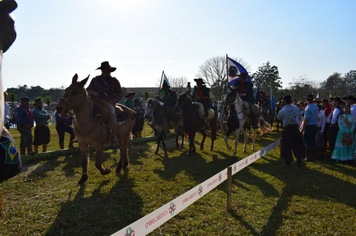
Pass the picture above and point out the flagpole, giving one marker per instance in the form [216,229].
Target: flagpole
[227,71]
[160,84]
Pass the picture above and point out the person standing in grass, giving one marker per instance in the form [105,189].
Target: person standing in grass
[291,137]
[345,140]
[64,125]
[24,122]
[42,133]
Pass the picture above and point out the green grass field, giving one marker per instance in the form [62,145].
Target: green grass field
[268,198]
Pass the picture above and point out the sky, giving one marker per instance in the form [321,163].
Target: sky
[141,38]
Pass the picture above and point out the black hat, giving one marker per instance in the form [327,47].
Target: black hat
[129,94]
[317,100]
[338,99]
[38,100]
[199,80]
[137,100]
[288,98]
[310,97]
[243,74]
[349,97]
[325,100]
[106,64]
[25,99]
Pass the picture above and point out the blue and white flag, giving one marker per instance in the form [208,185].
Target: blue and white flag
[273,103]
[234,69]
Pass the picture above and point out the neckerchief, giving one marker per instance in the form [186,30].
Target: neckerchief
[28,110]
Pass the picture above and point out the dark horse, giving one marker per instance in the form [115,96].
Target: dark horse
[90,129]
[160,122]
[193,122]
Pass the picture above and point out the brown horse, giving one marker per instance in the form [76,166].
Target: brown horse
[91,129]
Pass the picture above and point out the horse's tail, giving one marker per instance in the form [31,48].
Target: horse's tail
[213,128]
[264,126]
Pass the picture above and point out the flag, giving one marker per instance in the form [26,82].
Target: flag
[257,91]
[317,96]
[273,103]
[165,80]
[234,69]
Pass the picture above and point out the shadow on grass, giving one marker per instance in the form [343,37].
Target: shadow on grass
[301,182]
[101,213]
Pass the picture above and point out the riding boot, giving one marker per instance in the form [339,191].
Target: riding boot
[113,129]
[29,150]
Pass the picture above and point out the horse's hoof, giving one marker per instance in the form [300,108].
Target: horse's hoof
[201,148]
[211,149]
[118,170]
[105,171]
[229,147]
[83,179]
[156,152]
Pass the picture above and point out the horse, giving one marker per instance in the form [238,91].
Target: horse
[238,120]
[160,122]
[91,129]
[222,115]
[193,122]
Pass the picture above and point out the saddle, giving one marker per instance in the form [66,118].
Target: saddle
[101,108]
[200,109]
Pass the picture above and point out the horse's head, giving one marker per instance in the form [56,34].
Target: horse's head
[149,108]
[7,29]
[183,100]
[73,96]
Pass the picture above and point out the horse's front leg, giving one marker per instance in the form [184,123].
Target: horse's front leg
[253,140]
[245,139]
[226,139]
[236,141]
[124,157]
[99,149]
[84,156]
[191,144]
[202,142]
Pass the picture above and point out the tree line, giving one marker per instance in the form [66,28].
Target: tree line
[213,72]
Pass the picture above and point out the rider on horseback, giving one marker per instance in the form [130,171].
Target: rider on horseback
[108,89]
[245,89]
[201,94]
[170,101]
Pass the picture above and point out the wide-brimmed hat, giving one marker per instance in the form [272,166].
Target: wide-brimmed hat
[38,100]
[338,99]
[349,97]
[199,80]
[310,97]
[25,99]
[317,100]
[137,100]
[288,98]
[105,64]
[325,100]
[129,94]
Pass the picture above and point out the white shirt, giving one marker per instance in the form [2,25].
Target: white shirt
[321,120]
[335,115]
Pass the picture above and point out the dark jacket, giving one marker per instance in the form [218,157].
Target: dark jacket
[205,92]
[22,117]
[109,89]
[170,98]
[245,91]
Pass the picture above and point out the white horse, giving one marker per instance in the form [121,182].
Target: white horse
[237,120]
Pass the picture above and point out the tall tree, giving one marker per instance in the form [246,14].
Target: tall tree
[267,76]
[336,85]
[213,72]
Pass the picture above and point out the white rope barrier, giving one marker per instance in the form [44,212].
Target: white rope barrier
[150,222]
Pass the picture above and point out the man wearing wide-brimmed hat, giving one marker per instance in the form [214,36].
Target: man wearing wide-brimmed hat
[107,88]
[291,137]
[42,134]
[334,128]
[245,90]
[310,127]
[129,100]
[201,94]
[24,121]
